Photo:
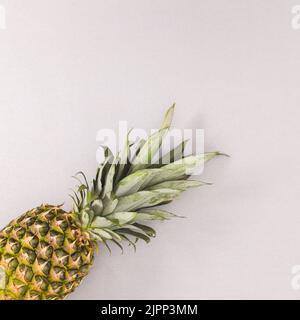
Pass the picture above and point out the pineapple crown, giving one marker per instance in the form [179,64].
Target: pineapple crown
[128,187]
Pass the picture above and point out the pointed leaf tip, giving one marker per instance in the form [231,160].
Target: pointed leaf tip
[222,154]
[168,117]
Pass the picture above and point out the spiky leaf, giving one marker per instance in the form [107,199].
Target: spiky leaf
[144,199]
[134,182]
[101,222]
[181,185]
[123,217]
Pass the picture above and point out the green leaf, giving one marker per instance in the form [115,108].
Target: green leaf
[80,173]
[148,230]
[102,234]
[123,217]
[181,185]
[97,181]
[173,155]
[85,218]
[90,197]
[133,201]
[107,246]
[76,200]
[108,186]
[133,227]
[160,196]
[107,152]
[130,243]
[97,207]
[154,214]
[148,151]
[168,117]
[82,187]
[95,236]
[101,222]
[141,216]
[135,234]
[134,182]
[113,234]
[123,160]
[147,217]
[180,169]
[109,205]
[137,146]
[153,143]
[144,199]
[109,160]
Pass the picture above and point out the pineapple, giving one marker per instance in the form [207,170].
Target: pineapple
[46,252]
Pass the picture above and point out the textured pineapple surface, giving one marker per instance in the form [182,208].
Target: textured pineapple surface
[44,254]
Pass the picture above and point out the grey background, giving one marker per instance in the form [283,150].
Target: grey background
[69,68]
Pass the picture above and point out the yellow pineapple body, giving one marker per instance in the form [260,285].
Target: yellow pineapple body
[44,254]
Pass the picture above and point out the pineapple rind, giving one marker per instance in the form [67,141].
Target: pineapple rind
[45,255]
